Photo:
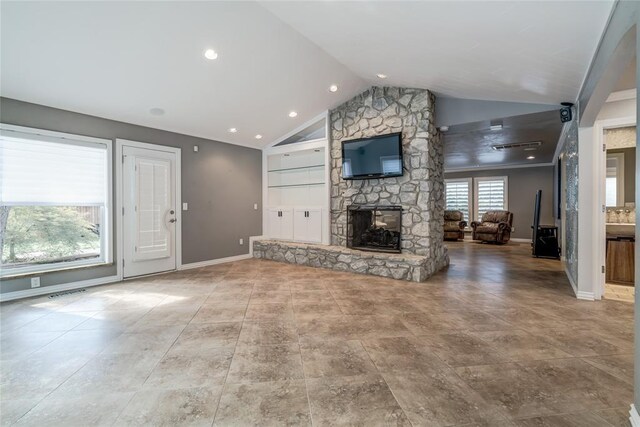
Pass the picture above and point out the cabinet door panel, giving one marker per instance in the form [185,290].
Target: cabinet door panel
[273,223]
[286,224]
[299,225]
[314,225]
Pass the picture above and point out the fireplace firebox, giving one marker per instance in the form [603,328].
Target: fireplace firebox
[374,228]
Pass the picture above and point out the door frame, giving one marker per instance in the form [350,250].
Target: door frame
[599,210]
[120,143]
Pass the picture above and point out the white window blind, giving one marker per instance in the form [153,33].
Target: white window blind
[490,195]
[457,196]
[57,187]
[49,171]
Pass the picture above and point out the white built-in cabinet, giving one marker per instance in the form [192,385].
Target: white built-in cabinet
[307,225]
[296,192]
[280,223]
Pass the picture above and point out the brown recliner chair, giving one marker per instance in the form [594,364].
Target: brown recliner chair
[495,227]
[454,225]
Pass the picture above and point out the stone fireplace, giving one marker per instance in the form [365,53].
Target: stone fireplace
[419,191]
[374,228]
[389,227]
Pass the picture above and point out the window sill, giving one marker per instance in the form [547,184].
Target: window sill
[27,274]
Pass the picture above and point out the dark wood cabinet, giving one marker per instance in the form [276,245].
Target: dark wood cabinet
[620,260]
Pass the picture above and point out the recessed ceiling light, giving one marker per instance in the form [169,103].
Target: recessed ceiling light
[258,136]
[531,157]
[444,128]
[495,127]
[333,88]
[381,76]
[293,114]
[210,54]
[157,111]
[233,130]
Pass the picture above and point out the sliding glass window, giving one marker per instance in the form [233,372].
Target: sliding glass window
[55,201]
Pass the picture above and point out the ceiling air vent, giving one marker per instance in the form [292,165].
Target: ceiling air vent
[525,145]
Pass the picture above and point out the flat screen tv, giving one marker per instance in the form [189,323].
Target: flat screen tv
[374,157]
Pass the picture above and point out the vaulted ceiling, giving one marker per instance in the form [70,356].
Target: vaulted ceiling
[521,51]
[120,60]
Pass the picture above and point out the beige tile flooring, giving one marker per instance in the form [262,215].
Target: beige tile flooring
[616,292]
[496,340]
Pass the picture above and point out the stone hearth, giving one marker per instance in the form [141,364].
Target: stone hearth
[409,267]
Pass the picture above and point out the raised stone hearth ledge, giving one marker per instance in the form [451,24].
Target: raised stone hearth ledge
[409,267]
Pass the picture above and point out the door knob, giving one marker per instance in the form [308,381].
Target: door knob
[173,220]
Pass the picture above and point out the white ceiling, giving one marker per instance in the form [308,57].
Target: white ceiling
[118,60]
[520,51]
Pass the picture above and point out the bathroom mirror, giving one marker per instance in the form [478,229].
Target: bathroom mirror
[621,167]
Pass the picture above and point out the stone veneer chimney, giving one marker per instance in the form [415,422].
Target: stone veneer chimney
[420,191]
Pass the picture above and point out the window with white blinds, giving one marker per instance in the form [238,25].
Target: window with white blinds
[490,194]
[54,200]
[458,196]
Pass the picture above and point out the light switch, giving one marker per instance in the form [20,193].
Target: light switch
[195,148]
[255,206]
[185,206]
[242,241]
[35,282]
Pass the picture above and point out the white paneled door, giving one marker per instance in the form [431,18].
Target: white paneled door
[149,211]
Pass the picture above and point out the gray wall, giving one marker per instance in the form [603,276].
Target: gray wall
[523,184]
[221,182]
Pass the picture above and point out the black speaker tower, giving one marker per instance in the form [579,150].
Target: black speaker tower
[544,241]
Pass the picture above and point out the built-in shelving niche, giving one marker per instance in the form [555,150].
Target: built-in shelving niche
[297,178]
[296,186]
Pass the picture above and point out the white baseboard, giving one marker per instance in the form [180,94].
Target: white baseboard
[587,296]
[583,295]
[634,417]
[27,293]
[215,261]
[519,240]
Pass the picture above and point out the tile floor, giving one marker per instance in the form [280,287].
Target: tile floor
[496,340]
[619,292]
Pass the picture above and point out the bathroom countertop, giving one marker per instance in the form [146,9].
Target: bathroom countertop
[615,230]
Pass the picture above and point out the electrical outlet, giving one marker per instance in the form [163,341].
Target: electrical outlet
[242,241]
[255,206]
[35,282]
[185,206]
[195,148]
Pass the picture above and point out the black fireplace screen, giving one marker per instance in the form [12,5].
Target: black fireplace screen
[374,228]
